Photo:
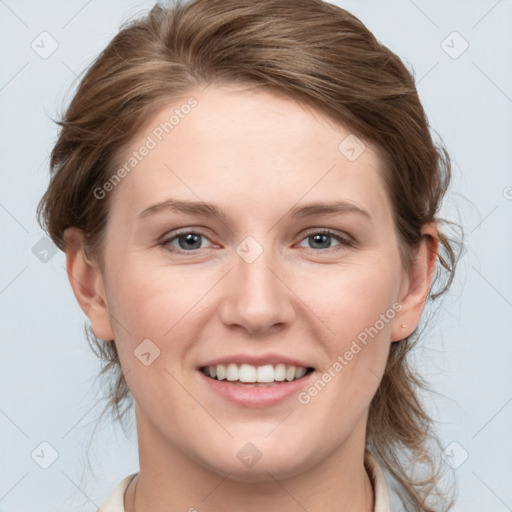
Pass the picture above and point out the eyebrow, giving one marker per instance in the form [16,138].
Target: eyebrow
[200,208]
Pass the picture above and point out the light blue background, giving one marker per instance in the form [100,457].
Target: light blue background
[48,391]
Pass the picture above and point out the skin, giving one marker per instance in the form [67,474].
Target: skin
[299,298]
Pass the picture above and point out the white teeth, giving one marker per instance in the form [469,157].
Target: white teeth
[265,373]
[232,372]
[290,373]
[249,373]
[280,372]
[221,372]
[300,373]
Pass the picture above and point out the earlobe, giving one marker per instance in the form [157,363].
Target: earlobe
[417,285]
[87,284]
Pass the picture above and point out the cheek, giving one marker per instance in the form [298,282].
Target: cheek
[162,304]
[357,356]
[153,320]
[358,305]
[152,299]
[352,297]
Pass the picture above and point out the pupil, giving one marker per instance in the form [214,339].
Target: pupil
[318,238]
[190,239]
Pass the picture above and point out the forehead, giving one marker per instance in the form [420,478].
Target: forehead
[231,144]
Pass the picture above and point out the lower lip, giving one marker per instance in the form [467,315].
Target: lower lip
[256,396]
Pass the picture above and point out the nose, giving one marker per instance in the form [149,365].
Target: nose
[256,297]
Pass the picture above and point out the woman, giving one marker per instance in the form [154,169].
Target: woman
[247,195]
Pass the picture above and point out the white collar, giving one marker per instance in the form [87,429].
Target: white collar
[380,486]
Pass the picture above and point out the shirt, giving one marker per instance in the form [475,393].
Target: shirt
[115,502]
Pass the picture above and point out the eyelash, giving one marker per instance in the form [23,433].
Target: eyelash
[344,241]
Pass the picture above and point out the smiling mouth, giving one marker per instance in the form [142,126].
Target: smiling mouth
[258,376]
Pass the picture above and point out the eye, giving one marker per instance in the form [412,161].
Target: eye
[187,241]
[323,239]
[191,241]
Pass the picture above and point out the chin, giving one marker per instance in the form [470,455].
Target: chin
[252,465]
[264,471]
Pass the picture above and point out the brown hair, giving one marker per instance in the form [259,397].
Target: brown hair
[319,55]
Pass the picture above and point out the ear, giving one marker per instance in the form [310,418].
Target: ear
[416,285]
[87,284]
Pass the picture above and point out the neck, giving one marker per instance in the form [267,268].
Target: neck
[171,481]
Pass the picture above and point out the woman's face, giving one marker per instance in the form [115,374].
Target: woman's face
[254,233]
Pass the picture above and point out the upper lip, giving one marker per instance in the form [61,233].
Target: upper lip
[256,360]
